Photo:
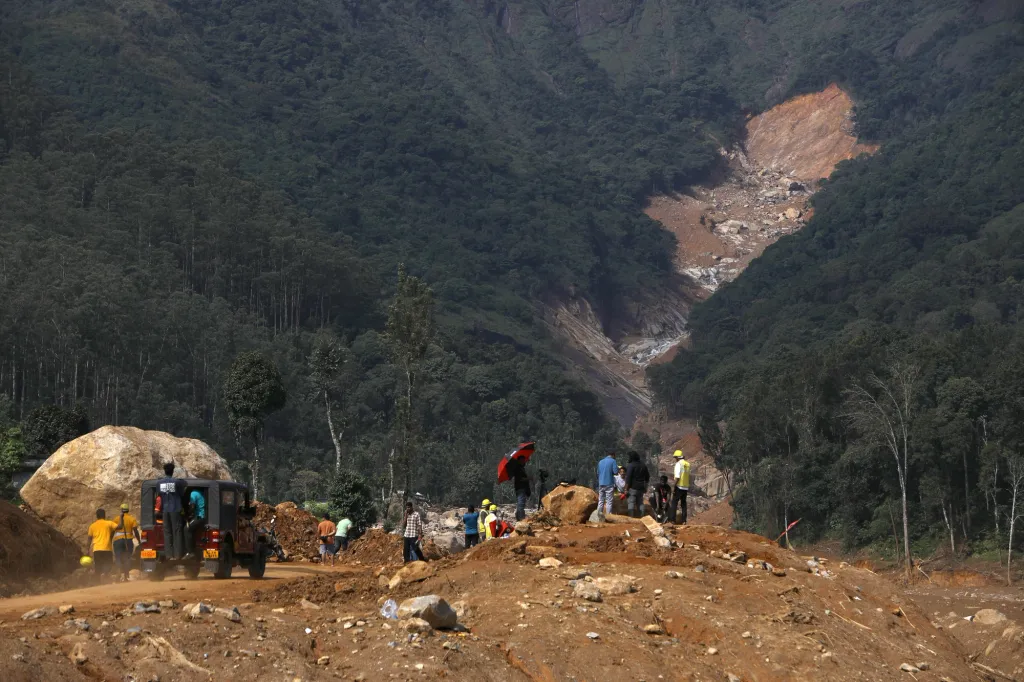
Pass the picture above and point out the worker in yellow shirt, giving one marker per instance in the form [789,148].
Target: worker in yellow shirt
[490,521]
[101,533]
[481,522]
[681,477]
[126,532]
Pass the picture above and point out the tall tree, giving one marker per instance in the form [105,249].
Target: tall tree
[1015,474]
[881,410]
[325,364]
[252,390]
[410,330]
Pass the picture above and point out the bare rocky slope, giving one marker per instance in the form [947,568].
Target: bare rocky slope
[720,227]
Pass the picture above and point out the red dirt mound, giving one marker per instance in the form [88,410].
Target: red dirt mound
[31,551]
[296,529]
[374,547]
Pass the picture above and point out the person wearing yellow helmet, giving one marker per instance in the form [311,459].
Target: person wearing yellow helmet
[681,478]
[127,530]
[481,524]
[491,521]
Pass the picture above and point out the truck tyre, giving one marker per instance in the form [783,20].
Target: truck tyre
[227,560]
[159,572]
[258,565]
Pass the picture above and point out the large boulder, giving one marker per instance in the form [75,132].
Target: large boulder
[106,468]
[571,503]
[430,608]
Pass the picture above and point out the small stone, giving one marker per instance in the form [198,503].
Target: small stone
[989,617]
[167,604]
[36,614]
[323,660]
[828,657]
[66,609]
[779,572]
[248,652]
[699,568]
[733,678]
[231,614]
[654,629]
[308,605]
[907,668]
[348,626]
[78,656]
[659,592]
[593,636]
[746,635]
[77,623]
[277,610]
[588,591]
[673,574]
[419,666]
[361,623]
[415,626]
[923,666]
[712,651]
[549,562]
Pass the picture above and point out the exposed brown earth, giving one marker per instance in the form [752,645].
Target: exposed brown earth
[700,610]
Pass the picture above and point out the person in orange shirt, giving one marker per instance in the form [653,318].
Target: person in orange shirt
[101,549]
[326,530]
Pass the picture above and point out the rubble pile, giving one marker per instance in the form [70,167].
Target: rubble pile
[295,527]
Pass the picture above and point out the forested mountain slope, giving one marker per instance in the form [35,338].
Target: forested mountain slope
[181,182]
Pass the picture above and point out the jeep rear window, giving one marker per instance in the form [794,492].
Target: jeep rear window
[227,497]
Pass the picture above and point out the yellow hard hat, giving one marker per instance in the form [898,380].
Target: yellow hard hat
[124,507]
[85,561]
[493,507]
[485,504]
[678,454]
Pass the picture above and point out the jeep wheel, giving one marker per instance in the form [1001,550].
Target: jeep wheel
[258,564]
[226,562]
[159,572]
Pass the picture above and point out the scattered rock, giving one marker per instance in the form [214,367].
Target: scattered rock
[828,657]
[663,542]
[923,666]
[77,623]
[66,609]
[907,668]
[414,625]
[989,617]
[430,608]
[36,614]
[746,635]
[412,572]
[308,605]
[733,678]
[588,591]
[616,585]
[658,593]
[654,629]
[146,607]
[231,614]
[712,651]
[524,527]
[462,609]
[571,503]
[198,610]
[549,562]
[167,604]
[736,557]
[793,213]
[77,655]
[779,572]
[593,636]
[323,660]
[673,574]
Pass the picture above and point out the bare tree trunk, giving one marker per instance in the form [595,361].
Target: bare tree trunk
[949,527]
[335,438]
[1009,547]
[1015,468]
[906,531]
[255,470]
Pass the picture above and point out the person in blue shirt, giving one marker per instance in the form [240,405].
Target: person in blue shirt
[471,519]
[606,470]
[196,520]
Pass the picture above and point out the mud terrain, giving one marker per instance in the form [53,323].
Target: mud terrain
[718,605]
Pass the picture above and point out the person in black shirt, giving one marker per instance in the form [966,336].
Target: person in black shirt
[521,483]
[637,478]
[660,499]
[172,505]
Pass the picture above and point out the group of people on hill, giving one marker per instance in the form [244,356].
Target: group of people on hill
[111,543]
[632,481]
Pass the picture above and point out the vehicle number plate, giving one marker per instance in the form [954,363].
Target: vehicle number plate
[149,554]
[211,554]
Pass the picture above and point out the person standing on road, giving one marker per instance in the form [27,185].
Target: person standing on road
[637,478]
[127,530]
[517,472]
[326,530]
[681,478]
[172,507]
[412,532]
[196,521]
[481,525]
[344,526]
[471,520]
[101,549]
[606,469]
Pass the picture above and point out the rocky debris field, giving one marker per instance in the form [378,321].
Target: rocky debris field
[295,527]
[624,599]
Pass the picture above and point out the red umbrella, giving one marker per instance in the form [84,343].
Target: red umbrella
[523,452]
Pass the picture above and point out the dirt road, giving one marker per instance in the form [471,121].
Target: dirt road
[174,587]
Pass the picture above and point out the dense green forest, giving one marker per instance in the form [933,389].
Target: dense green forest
[204,208]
